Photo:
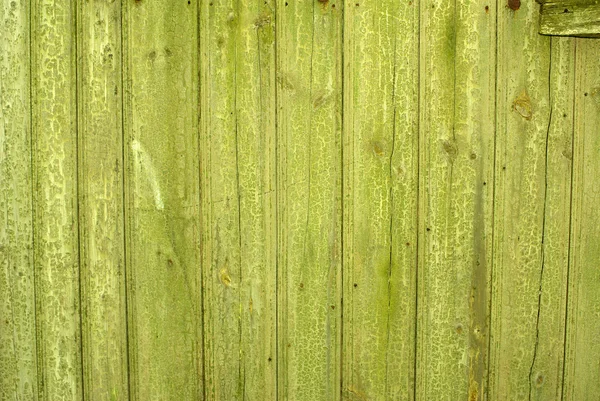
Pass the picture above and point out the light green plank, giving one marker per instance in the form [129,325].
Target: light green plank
[380,199]
[55,200]
[18,373]
[256,171]
[309,124]
[162,197]
[221,198]
[582,378]
[238,198]
[545,371]
[104,332]
[458,60]
[531,209]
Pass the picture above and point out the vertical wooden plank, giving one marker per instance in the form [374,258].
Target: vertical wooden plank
[104,320]
[533,163]
[162,214]
[582,377]
[546,366]
[457,77]
[221,214]
[238,198]
[256,178]
[56,244]
[18,372]
[380,198]
[309,97]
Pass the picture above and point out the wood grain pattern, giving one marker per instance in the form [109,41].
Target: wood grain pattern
[380,199]
[162,198]
[102,248]
[221,218]
[532,202]
[522,133]
[583,323]
[18,370]
[309,126]
[570,18]
[238,199]
[55,203]
[256,172]
[297,200]
[545,370]
[456,171]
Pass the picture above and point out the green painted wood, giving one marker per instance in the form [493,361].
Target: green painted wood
[102,252]
[532,203]
[238,198]
[296,200]
[546,368]
[18,371]
[162,200]
[456,170]
[380,199]
[256,175]
[221,218]
[309,151]
[55,204]
[583,325]
[570,18]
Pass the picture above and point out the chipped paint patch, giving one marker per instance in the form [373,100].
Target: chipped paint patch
[143,160]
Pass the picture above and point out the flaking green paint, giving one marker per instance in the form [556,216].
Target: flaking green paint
[570,18]
[296,200]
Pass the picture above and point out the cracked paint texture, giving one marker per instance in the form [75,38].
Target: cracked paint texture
[297,200]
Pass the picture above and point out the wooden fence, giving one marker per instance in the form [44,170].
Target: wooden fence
[297,200]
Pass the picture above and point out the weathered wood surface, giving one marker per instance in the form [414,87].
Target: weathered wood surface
[583,306]
[162,200]
[237,145]
[531,219]
[101,214]
[18,357]
[380,199]
[309,182]
[297,200]
[456,171]
[571,18]
[54,105]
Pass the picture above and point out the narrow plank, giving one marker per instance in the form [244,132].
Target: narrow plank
[546,369]
[309,125]
[56,245]
[162,198]
[582,377]
[102,253]
[458,59]
[18,371]
[220,191]
[256,179]
[531,208]
[238,198]
[380,198]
